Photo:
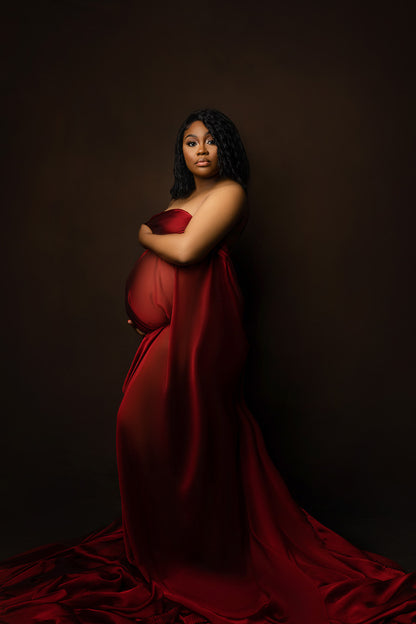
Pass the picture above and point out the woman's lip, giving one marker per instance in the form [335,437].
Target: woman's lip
[202,163]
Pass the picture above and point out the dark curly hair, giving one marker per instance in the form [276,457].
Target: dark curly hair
[232,158]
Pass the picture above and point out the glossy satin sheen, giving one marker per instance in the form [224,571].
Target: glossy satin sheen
[209,530]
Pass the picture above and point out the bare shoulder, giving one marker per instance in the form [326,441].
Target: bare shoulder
[227,193]
[224,207]
[231,195]
[229,187]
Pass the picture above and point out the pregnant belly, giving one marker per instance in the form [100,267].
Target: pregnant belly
[149,292]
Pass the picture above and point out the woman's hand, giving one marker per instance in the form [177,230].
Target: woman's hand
[144,232]
[137,330]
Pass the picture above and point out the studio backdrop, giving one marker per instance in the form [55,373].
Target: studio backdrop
[94,95]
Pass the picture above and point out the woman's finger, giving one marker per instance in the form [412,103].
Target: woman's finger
[135,328]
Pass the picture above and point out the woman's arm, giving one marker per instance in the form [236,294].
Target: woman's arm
[218,214]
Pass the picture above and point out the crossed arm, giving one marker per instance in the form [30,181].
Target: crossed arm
[217,215]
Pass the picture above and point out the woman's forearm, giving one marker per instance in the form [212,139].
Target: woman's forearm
[170,247]
[208,227]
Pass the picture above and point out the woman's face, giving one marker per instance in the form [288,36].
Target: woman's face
[200,151]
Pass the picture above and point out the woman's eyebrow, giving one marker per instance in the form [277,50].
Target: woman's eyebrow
[194,135]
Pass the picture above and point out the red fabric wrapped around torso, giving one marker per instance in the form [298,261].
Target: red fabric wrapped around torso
[209,531]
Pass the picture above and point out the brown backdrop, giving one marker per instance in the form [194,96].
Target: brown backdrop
[95,93]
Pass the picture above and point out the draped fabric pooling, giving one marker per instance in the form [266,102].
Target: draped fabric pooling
[209,531]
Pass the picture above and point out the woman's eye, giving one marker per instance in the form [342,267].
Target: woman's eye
[192,143]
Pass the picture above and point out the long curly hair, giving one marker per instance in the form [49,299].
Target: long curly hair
[232,158]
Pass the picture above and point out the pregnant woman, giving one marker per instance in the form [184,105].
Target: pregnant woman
[209,531]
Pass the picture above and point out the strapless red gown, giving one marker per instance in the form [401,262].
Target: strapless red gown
[209,531]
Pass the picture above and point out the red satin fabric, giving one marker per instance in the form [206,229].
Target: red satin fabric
[209,530]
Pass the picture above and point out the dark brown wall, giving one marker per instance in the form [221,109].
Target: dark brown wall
[95,93]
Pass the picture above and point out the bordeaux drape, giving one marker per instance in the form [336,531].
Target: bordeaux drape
[209,530]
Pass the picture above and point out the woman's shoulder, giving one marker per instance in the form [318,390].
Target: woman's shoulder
[231,192]
[227,191]
[223,186]
[229,185]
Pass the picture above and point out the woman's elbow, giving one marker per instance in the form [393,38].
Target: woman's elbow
[184,258]
[191,255]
